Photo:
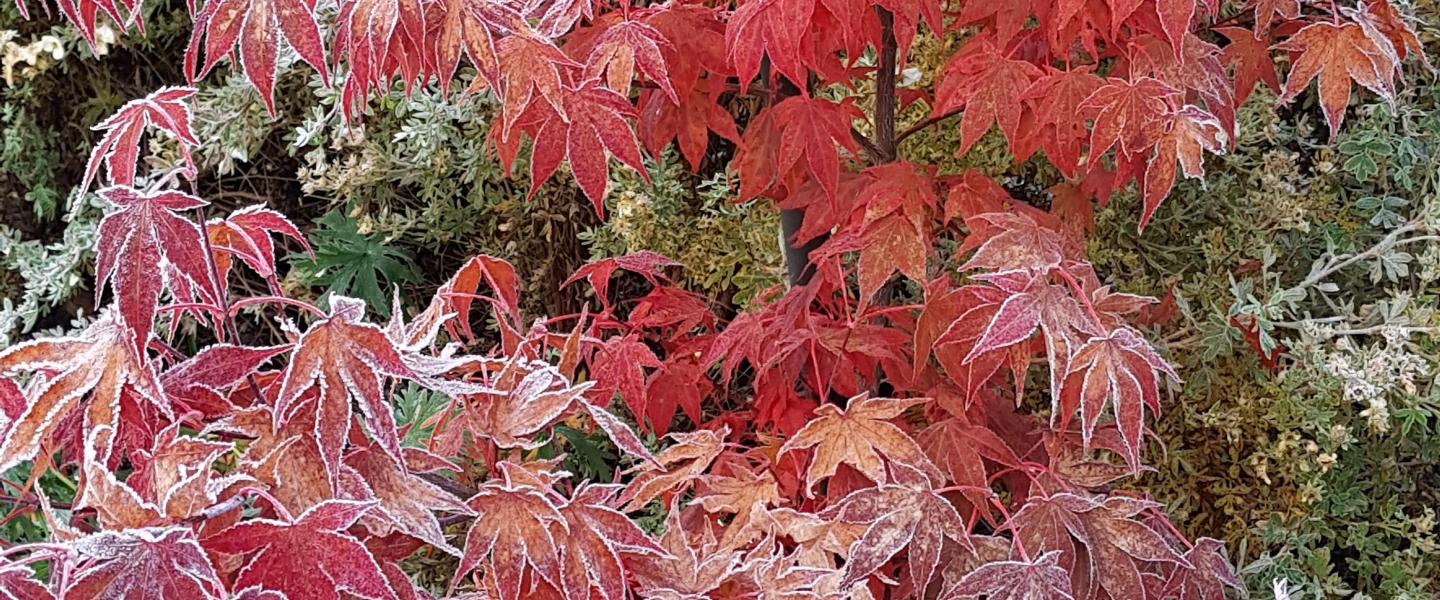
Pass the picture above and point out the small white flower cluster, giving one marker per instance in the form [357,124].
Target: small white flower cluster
[35,57]
[1371,373]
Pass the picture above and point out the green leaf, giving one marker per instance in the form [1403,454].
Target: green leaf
[350,263]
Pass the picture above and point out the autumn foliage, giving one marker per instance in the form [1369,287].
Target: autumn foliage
[968,436]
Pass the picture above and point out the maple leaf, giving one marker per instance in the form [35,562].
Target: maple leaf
[1209,576]
[144,564]
[892,244]
[1386,21]
[1127,114]
[528,397]
[689,123]
[960,450]
[1336,54]
[622,49]
[17,582]
[1267,10]
[119,148]
[1040,579]
[597,536]
[347,359]
[200,381]
[1055,100]
[696,36]
[677,465]
[1119,370]
[379,37]
[470,27]
[405,501]
[774,28]
[898,517]
[256,26]
[99,362]
[593,125]
[175,473]
[140,246]
[693,565]
[1188,133]
[1249,55]
[1010,242]
[515,526]
[529,65]
[311,558]
[1116,543]
[645,263]
[245,234]
[811,128]
[989,86]
[620,365]
[861,436]
[459,293]
[1175,19]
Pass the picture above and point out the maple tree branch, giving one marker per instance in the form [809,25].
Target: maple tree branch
[926,124]
[226,319]
[885,140]
[460,491]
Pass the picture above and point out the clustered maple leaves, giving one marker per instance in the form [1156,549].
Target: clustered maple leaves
[837,442]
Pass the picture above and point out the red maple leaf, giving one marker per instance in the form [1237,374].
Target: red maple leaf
[598,535]
[696,36]
[245,234]
[1382,16]
[1267,10]
[593,125]
[1207,577]
[1187,135]
[347,359]
[144,564]
[1122,371]
[1249,55]
[861,436]
[623,48]
[311,558]
[1127,114]
[619,366]
[471,26]
[809,129]
[100,362]
[694,564]
[530,67]
[1018,580]
[1338,54]
[515,528]
[1116,544]
[961,450]
[257,26]
[17,582]
[1055,100]
[406,503]
[119,148]
[774,28]
[898,517]
[645,263]
[200,382]
[527,398]
[380,37]
[689,123]
[989,86]
[678,465]
[140,245]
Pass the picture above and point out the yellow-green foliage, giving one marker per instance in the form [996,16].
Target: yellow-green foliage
[728,250]
[1324,471]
